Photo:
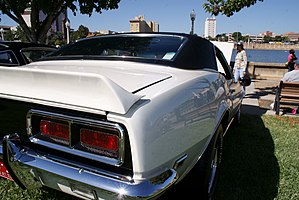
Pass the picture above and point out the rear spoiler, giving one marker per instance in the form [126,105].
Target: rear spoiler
[80,91]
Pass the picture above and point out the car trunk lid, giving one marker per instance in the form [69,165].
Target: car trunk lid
[73,85]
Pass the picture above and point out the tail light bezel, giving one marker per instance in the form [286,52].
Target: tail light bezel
[75,124]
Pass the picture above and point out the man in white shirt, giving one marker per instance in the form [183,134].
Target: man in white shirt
[292,76]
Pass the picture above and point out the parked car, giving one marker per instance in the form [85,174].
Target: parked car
[22,53]
[119,116]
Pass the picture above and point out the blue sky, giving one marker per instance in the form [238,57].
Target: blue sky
[278,16]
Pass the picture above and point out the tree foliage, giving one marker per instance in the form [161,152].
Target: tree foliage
[9,36]
[222,37]
[82,31]
[227,7]
[237,36]
[52,9]
[19,35]
[56,38]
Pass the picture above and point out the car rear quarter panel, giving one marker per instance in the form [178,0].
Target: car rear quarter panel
[175,118]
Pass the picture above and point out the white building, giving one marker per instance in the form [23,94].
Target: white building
[210,27]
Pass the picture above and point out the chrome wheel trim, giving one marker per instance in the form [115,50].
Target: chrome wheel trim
[215,162]
[239,116]
[214,166]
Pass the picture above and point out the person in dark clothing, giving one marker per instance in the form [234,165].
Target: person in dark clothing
[291,60]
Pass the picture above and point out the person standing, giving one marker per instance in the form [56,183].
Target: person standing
[240,62]
[291,60]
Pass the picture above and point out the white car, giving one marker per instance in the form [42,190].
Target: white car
[119,116]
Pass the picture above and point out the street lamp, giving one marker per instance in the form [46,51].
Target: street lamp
[192,17]
[2,35]
[67,25]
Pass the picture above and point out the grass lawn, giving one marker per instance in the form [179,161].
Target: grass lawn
[260,161]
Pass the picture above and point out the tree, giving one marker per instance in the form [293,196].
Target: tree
[19,35]
[56,38]
[52,9]
[212,38]
[237,36]
[82,31]
[9,36]
[73,36]
[222,37]
[227,7]
[267,39]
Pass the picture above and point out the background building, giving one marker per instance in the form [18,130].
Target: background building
[267,33]
[293,37]
[100,32]
[210,27]
[57,26]
[4,30]
[138,24]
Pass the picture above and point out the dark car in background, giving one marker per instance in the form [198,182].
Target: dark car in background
[22,53]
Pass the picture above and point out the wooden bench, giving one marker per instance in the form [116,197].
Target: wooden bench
[287,93]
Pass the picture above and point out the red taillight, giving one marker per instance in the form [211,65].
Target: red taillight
[98,141]
[55,131]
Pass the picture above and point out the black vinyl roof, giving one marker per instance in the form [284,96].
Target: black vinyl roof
[194,52]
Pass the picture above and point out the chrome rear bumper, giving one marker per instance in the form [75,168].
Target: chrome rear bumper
[33,170]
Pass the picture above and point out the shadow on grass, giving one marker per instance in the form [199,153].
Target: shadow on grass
[250,169]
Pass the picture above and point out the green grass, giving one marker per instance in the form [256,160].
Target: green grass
[260,161]
[10,191]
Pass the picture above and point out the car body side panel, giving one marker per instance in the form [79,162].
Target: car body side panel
[236,95]
[164,128]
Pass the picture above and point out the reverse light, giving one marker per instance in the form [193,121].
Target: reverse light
[99,142]
[56,132]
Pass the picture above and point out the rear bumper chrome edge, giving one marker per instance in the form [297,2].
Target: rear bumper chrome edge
[34,170]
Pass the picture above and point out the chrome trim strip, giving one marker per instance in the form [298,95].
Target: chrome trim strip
[81,121]
[1,150]
[34,171]
[180,161]
[76,152]
[228,126]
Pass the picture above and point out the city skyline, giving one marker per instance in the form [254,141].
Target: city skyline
[174,15]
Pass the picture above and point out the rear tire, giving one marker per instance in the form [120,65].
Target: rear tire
[201,180]
[208,167]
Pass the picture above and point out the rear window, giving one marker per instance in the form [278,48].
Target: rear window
[151,47]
